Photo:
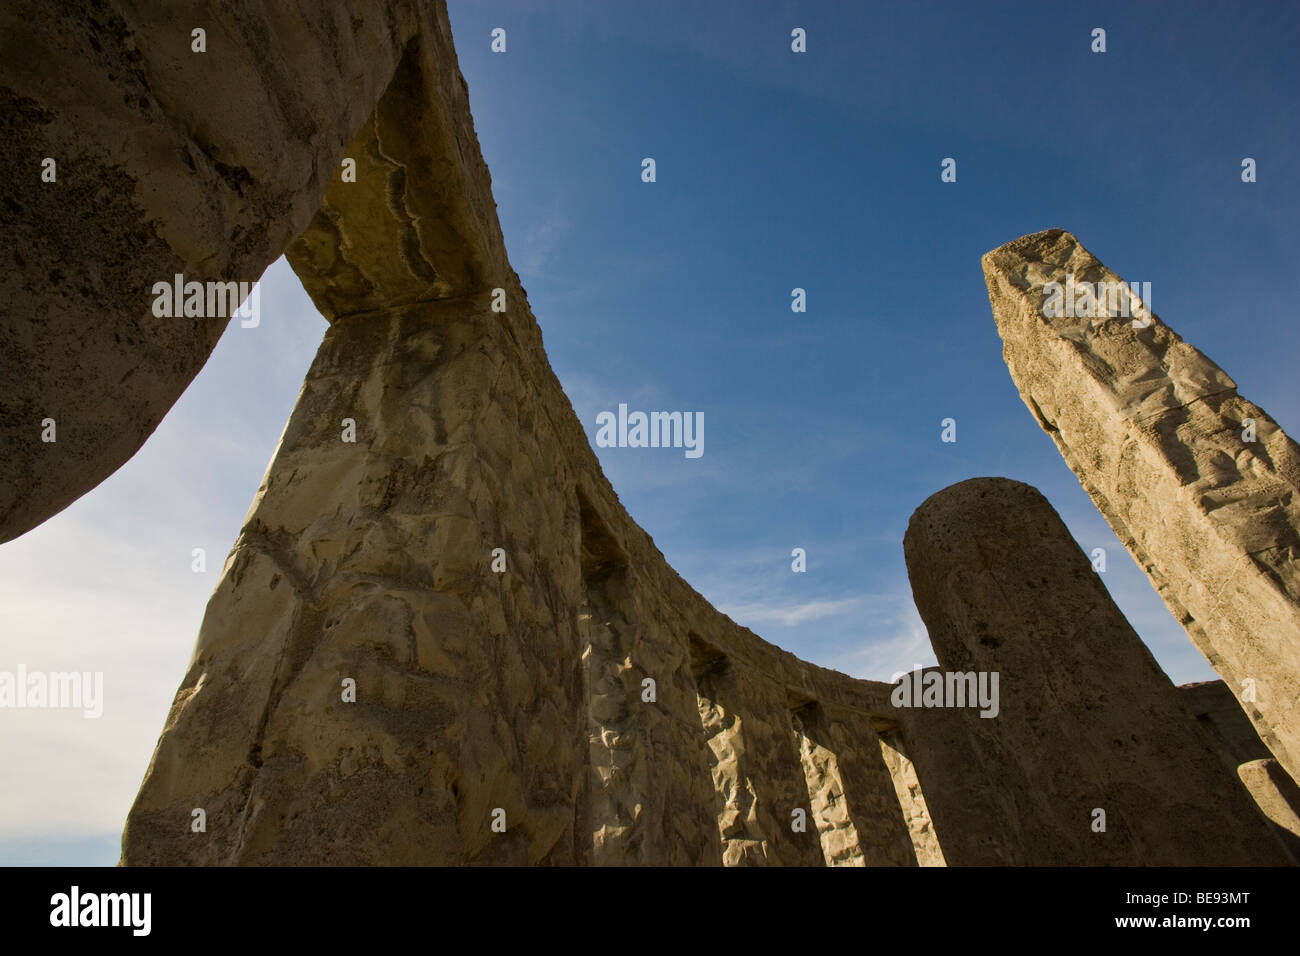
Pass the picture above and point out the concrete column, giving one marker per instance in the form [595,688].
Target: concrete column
[1201,485]
[1087,723]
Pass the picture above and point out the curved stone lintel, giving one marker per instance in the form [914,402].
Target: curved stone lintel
[167,162]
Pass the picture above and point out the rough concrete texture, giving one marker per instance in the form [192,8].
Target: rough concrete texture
[1233,737]
[1087,720]
[907,787]
[446,641]
[1278,797]
[167,161]
[475,690]
[1216,709]
[977,816]
[1154,430]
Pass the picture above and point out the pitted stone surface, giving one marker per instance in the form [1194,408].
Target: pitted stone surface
[581,705]
[1086,721]
[167,162]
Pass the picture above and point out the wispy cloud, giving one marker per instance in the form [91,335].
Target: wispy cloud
[790,615]
[109,585]
[540,242]
[883,657]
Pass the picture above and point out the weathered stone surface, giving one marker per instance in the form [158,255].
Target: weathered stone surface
[523,691]
[1086,719]
[857,791]
[1154,431]
[582,696]
[1233,737]
[420,222]
[977,816]
[167,161]
[370,561]
[1278,797]
[1216,710]
[474,690]
[907,787]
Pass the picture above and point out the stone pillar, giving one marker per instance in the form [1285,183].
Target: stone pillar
[979,816]
[756,766]
[856,801]
[1086,721]
[1201,485]
[370,561]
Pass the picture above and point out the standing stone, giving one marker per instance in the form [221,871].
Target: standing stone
[756,766]
[972,817]
[369,687]
[369,561]
[1156,433]
[1086,720]
[835,745]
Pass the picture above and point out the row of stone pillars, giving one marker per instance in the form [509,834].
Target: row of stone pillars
[497,716]
[500,717]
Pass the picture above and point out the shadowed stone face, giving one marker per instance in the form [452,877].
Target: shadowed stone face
[1201,485]
[166,161]
[519,690]
[1087,721]
[439,637]
[476,691]
[368,561]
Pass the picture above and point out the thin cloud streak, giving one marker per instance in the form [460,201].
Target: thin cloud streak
[791,615]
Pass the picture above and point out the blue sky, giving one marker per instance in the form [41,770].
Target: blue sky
[821,171]
[775,170]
